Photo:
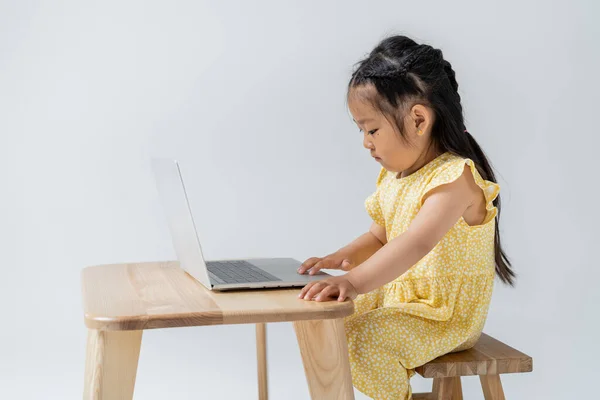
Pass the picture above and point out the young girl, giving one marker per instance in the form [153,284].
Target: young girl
[422,277]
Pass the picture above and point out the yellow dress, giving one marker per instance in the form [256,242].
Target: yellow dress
[436,307]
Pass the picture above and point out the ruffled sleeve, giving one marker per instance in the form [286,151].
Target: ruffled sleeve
[373,203]
[452,171]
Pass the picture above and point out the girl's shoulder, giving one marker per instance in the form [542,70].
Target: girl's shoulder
[444,169]
[449,170]
[449,167]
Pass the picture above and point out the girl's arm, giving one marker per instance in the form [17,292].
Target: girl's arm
[441,210]
[363,247]
[356,252]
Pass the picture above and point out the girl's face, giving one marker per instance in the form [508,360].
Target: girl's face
[385,145]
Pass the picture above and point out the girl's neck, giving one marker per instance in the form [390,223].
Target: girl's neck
[428,155]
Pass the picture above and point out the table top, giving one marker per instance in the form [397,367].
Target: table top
[153,295]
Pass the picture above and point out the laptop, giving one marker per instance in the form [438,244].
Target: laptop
[221,274]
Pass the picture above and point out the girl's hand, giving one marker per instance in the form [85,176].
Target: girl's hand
[329,289]
[332,261]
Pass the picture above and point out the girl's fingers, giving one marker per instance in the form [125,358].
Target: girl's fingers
[316,268]
[329,291]
[342,295]
[308,264]
[314,290]
[305,289]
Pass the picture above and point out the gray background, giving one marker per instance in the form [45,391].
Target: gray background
[250,97]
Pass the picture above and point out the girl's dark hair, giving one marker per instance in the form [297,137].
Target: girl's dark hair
[405,73]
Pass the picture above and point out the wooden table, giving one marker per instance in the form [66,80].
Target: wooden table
[122,300]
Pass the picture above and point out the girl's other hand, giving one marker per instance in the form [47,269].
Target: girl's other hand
[332,261]
[338,287]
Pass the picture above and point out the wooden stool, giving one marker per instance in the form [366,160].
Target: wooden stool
[488,358]
[122,300]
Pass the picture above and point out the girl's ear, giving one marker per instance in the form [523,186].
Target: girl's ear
[422,118]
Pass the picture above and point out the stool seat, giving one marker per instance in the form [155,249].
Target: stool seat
[488,358]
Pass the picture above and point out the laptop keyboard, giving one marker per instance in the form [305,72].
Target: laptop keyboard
[237,271]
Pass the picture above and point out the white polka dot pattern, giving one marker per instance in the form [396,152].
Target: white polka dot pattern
[440,304]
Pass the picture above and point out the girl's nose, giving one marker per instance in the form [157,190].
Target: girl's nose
[367,142]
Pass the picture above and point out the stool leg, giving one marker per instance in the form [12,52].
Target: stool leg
[492,387]
[261,355]
[443,388]
[457,389]
[111,364]
[324,353]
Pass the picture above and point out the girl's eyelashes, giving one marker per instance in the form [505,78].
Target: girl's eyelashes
[371,132]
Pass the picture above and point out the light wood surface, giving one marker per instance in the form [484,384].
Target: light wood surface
[488,357]
[161,295]
[492,387]
[325,358]
[111,364]
[261,355]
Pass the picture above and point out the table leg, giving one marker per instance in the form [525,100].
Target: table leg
[325,357]
[111,364]
[261,355]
